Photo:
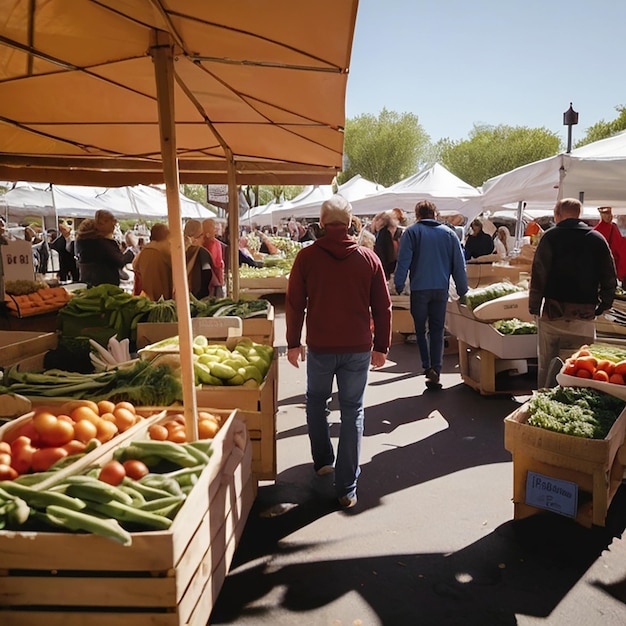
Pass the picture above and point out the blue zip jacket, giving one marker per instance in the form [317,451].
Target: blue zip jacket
[431,252]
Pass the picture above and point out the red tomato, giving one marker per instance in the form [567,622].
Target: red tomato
[616,379]
[583,373]
[5,447]
[606,366]
[620,368]
[588,363]
[45,458]
[26,430]
[601,375]
[7,472]
[112,473]
[135,469]
[22,457]
[5,458]
[570,367]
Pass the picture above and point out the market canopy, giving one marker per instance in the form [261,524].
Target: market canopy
[114,93]
[52,201]
[258,84]
[595,172]
[448,192]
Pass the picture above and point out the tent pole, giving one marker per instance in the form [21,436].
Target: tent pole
[233,225]
[162,55]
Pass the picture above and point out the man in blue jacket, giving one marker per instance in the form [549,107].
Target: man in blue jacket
[430,253]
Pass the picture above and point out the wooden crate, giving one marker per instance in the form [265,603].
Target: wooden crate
[595,465]
[481,274]
[17,345]
[258,407]
[259,329]
[270,284]
[484,381]
[261,433]
[165,578]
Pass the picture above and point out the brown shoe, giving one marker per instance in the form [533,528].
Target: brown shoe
[432,376]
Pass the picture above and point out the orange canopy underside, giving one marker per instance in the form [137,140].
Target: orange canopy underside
[261,80]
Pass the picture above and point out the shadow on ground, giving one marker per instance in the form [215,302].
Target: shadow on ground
[523,567]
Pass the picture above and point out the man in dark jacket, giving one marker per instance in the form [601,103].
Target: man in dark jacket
[340,287]
[573,275]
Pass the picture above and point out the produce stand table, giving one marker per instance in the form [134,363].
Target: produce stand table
[259,329]
[596,466]
[479,370]
[165,578]
[481,274]
[16,345]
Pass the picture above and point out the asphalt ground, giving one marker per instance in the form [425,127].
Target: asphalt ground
[432,540]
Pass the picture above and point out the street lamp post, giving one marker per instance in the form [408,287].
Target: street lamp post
[570,118]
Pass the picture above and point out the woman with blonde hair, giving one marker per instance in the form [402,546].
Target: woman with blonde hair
[501,242]
[99,256]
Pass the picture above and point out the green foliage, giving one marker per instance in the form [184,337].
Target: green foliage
[258,195]
[603,130]
[383,149]
[493,150]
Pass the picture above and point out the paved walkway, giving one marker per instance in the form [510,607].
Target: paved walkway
[431,540]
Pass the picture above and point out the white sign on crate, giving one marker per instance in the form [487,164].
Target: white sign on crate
[552,494]
[17,260]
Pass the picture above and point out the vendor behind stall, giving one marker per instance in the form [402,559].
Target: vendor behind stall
[478,243]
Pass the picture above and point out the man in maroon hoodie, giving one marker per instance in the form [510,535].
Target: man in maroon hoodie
[339,287]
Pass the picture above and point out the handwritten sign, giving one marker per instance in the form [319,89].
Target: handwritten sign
[17,260]
[552,494]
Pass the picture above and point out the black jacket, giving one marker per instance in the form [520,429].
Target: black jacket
[572,264]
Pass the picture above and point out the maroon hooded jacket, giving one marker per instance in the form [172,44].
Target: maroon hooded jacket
[338,284]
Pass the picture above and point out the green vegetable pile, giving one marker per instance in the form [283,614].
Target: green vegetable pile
[142,383]
[23,287]
[480,295]
[86,503]
[610,352]
[275,271]
[165,310]
[105,310]
[515,327]
[576,411]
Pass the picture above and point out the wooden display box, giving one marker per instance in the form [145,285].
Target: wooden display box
[481,274]
[507,346]
[595,465]
[258,406]
[15,346]
[484,381]
[273,284]
[259,329]
[165,578]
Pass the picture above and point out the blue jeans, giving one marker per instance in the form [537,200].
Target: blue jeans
[351,371]
[428,306]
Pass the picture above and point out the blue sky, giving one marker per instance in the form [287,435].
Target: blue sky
[455,63]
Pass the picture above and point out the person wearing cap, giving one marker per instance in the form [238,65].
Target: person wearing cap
[609,230]
[99,256]
[153,265]
[430,254]
[198,259]
[572,281]
[336,287]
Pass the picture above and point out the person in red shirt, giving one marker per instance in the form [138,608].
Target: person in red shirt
[214,246]
[335,285]
[609,230]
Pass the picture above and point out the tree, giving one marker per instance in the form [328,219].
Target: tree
[383,149]
[258,195]
[493,150]
[602,129]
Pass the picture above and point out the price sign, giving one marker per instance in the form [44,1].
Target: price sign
[552,494]
[17,260]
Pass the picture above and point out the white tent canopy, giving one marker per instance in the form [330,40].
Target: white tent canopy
[595,173]
[137,202]
[436,184]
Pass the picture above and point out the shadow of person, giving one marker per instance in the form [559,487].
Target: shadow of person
[523,567]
